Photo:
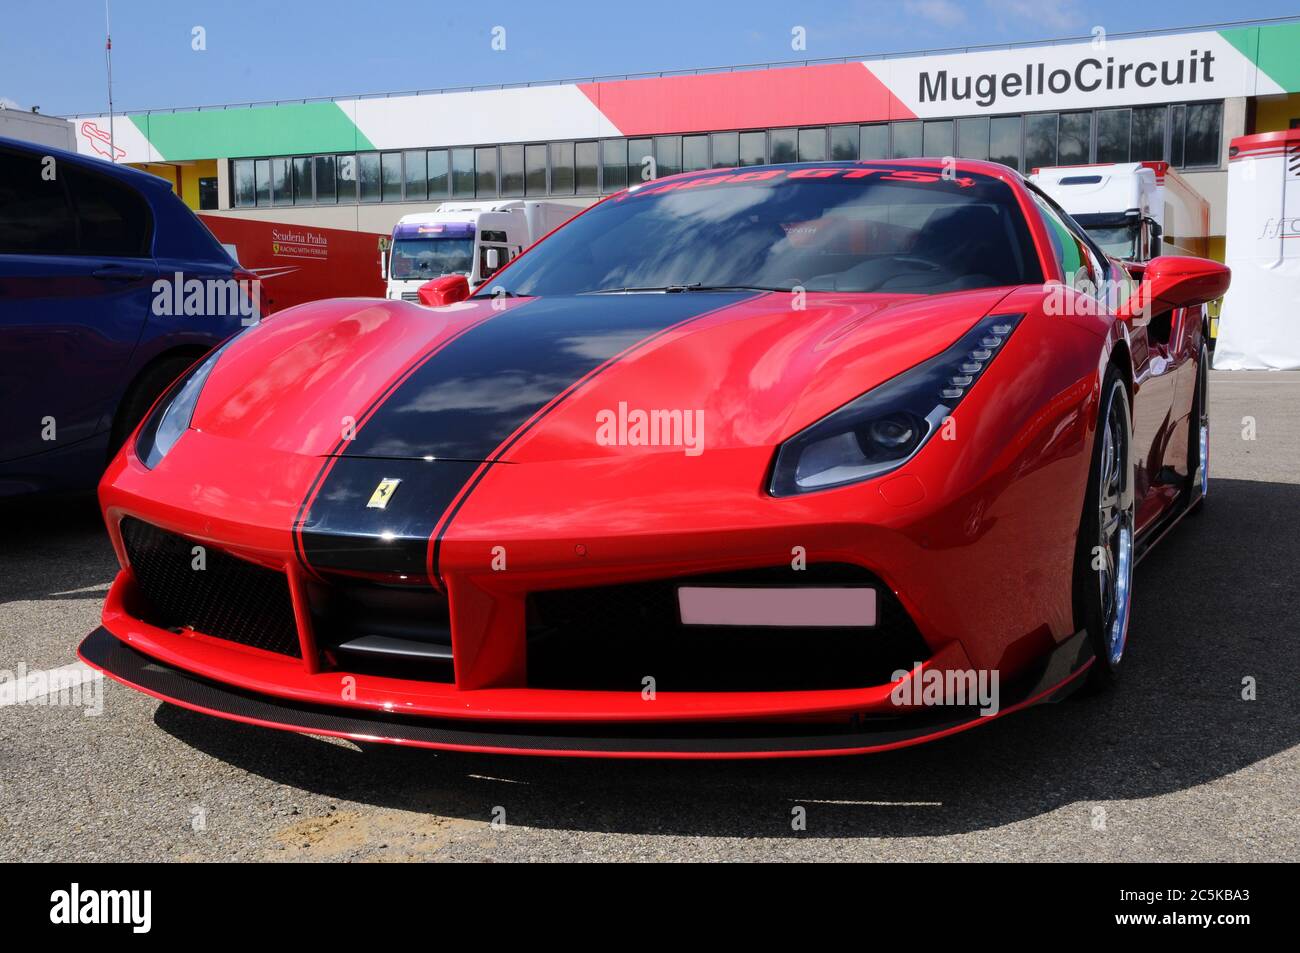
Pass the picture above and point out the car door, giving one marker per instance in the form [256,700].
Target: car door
[1156,366]
[1154,372]
[1184,348]
[76,277]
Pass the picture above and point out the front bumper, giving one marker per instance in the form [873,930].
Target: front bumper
[957,563]
[312,674]
[1055,678]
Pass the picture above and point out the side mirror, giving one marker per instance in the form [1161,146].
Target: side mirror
[383,265]
[1174,281]
[1156,233]
[445,290]
[493,259]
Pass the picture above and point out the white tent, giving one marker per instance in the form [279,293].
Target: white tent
[1259,327]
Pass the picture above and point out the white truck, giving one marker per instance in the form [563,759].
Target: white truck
[464,238]
[1133,210]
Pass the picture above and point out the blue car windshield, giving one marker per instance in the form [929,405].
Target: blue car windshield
[826,227]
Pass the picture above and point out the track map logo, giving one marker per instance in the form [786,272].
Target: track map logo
[101,141]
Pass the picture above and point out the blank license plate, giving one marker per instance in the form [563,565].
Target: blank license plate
[797,606]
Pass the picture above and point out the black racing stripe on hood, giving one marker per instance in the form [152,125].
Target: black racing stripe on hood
[343,534]
[457,410]
[474,393]
[309,498]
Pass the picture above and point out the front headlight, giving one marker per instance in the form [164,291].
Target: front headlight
[885,427]
[173,413]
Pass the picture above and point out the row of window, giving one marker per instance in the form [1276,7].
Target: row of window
[1188,135]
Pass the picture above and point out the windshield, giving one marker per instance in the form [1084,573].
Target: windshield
[425,258]
[831,227]
[1120,241]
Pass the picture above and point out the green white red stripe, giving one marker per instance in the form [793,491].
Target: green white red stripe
[1175,67]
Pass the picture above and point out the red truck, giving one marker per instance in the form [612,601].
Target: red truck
[300,263]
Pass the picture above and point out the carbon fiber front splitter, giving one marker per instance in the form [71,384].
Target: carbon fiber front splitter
[1056,677]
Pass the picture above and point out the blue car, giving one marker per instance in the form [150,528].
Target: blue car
[90,332]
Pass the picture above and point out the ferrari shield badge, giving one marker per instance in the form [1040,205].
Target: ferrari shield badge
[383,493]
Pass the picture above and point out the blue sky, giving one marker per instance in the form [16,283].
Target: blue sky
[52,51]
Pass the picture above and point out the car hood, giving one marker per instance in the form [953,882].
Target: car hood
[538,379]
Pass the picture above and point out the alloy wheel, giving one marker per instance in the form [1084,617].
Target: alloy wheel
[1115,518]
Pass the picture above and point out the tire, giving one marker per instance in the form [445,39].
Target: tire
[1198,437]
[143,392]
[1103,566]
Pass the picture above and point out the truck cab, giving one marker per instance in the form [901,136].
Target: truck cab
[1118,204]
[430,245]
[1136,211]
[474,239]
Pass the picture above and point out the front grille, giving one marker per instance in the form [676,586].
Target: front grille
[411,296]
[610,638]
[228,598]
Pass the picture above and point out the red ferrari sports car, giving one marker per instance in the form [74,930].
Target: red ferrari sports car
[792,460]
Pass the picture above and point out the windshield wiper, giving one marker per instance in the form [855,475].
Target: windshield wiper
[680,289]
